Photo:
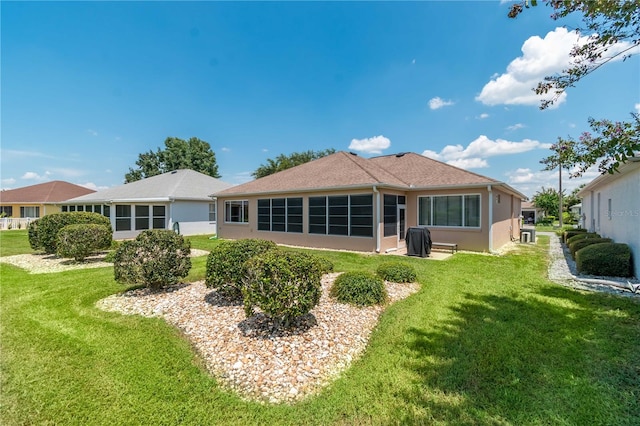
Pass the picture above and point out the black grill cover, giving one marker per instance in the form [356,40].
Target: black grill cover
[418,242]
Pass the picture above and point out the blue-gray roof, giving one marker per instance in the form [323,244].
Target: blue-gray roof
[177,185]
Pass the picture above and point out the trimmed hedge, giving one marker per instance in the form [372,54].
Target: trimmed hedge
[44,233]
[605,259]
[225,264]
[359,288]
[80,241]
[156,258]
[581,236]
[568,234]
[283,284]
[580,244]
[396,272]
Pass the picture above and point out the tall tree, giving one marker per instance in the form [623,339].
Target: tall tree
[283,162]
[613,28]
[609,145]
[178,154]
[548,200]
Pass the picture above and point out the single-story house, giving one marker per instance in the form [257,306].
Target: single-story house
[530,213]
[21,205]
[611,206]
[344,201]
[178,200]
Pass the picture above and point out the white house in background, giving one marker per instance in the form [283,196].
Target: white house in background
[178,200]
[530,213]
[611,207]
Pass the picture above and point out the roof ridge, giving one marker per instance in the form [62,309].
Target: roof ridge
[371,164]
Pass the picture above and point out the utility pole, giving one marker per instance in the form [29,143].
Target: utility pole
[560,190]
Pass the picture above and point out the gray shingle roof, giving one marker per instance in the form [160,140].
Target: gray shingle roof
[344,170]
[177,185]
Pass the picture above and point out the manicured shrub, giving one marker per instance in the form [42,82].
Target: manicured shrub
[581,236]
[605,259]
[283,284]
[45,230]
[396,272]
[156,258]
[324,265]
[571,233]
[32,234]
[580,244]
[225,264]
[359,288]
[80,241]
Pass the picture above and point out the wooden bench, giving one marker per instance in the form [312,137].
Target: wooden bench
[447,246]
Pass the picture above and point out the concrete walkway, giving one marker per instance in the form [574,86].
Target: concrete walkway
[562,270]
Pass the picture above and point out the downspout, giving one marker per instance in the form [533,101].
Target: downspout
[377,220]
[490,218]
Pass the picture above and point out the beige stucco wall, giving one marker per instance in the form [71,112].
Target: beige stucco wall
[249,230]
[44,208]
[505,213]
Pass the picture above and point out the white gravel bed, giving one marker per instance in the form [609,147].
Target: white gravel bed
[41,263]
[244,353]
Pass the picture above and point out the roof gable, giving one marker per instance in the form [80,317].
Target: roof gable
[178,185]
[48,192]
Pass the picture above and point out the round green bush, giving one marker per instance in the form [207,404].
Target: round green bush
[571,233]
[156,258]
[605,259]
[580,244]
[283,284]
[359,288]
[396,272]
[80,241]
[225,264]
[43,235]
[582,236]
[324,264]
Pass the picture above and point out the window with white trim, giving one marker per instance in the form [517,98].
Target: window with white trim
[212,212]
[123,217]
[29,211]
[341,215]
[236,211]
[462,211]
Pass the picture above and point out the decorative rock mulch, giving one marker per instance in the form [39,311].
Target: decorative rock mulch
[246,355]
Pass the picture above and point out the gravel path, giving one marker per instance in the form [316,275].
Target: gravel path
[562,270]
[245,355]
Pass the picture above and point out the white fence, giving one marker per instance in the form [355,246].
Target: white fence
[15,223]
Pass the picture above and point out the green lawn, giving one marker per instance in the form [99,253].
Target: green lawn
[487,341]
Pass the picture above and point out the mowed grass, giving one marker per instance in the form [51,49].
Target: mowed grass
[487,340]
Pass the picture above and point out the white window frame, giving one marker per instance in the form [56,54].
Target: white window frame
[462,196]
[244,215]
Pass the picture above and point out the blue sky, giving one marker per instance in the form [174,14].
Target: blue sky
[87,86]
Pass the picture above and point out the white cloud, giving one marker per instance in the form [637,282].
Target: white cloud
[8,181]
[67,173]
[225,149]
[93,186]
[373,145]
[92,132]
[413,61]
[637,106]
[475,154]
[437,103]
[483,116]
[33,176]
[540,58]
[516,126]
[469,163]
[529,182]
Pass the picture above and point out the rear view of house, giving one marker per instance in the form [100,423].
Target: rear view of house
[344,201]
[178,200]
[21,205]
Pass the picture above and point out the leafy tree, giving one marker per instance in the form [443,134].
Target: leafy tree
[608,145]
[192,154]
[572,199]
[283,162]
[608,22]
[547,199]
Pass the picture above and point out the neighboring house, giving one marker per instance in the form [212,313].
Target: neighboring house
[576,213]
[34,201]
[343,201]
[611,207]
[177,200]
[530,213]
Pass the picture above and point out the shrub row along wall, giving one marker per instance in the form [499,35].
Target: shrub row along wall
[598,256]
